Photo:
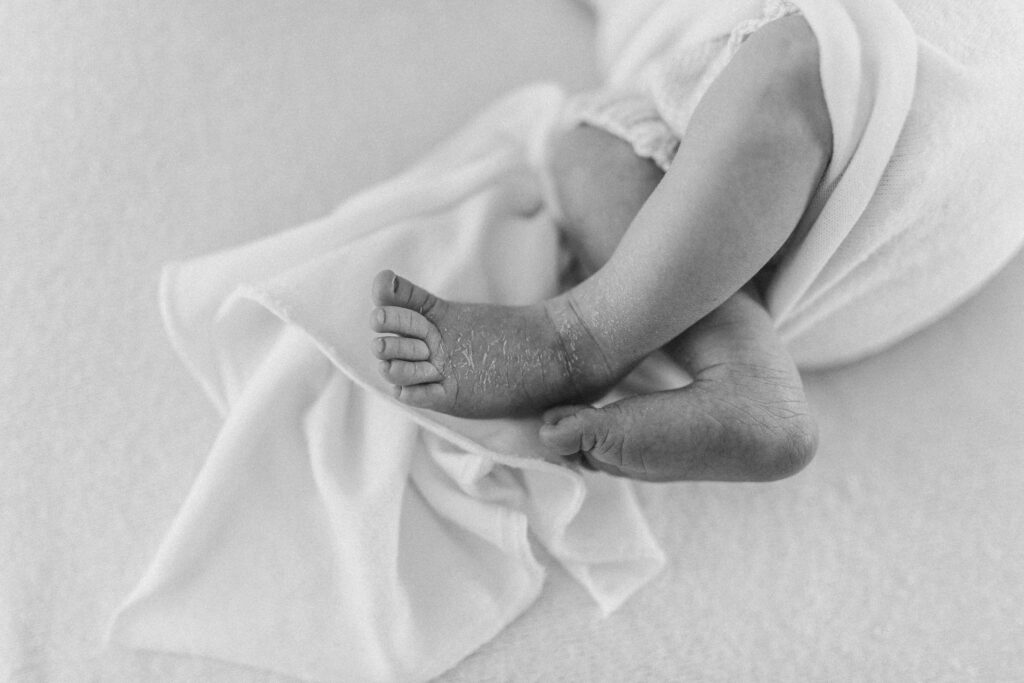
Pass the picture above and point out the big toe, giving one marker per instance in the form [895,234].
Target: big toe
[594,434]
[566,428]
[390,289]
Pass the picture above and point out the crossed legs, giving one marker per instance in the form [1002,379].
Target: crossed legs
[743,418]
[753,155]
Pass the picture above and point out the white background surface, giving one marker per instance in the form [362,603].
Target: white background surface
[133,133]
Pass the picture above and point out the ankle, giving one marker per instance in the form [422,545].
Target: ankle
[587,365]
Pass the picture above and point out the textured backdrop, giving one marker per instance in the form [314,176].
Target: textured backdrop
[132,133]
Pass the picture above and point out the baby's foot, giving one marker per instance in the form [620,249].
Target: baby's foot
[749,427]
[480,360]
[743,418]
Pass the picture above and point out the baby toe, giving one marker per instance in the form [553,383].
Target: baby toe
[401,348]
[596,433]
[431,396]
[562,431]
[406,373]
[382,286]
[402,321]
[390,289]
[554,415]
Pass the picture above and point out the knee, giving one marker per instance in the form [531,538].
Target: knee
[786,56]
[784,450]
[600,184]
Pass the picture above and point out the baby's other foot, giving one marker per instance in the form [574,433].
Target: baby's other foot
[481,360]
[743,426]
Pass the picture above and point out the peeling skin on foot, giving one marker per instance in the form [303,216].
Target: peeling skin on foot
[465,351]
[481,360]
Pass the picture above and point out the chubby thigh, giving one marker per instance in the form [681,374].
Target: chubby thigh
[600,184]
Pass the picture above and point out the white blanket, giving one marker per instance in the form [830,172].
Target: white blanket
[336,534]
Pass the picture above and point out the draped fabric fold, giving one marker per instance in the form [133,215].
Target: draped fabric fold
[337,534]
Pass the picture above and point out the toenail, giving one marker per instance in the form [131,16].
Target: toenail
[394,285]
[380,316]
[385,365]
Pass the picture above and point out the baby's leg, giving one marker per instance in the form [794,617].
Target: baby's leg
[746,169]
[752,156]
[516,352]
[745,417]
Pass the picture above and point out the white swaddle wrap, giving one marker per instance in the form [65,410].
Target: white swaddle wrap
[919,213]
[924,198]
[335,534]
